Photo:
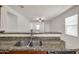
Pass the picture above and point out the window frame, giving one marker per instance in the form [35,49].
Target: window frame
[71,25]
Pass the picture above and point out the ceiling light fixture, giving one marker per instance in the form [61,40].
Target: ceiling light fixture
[40,19]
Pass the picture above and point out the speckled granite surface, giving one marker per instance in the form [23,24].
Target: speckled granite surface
[48,44]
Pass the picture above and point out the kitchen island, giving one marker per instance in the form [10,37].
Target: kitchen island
[50,41]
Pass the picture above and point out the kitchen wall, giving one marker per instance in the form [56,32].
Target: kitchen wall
[47,26]
[58,25]
[11,22]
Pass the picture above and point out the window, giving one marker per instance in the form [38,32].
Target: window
[71,25]
[37,27]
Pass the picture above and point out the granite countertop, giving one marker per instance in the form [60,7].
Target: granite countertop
[23,34]
[31,33]
[23,49]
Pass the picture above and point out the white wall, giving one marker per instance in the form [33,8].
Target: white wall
[11,22]
[58,25]
[47,26]
[22,22]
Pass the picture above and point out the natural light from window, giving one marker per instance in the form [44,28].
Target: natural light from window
[71,25]
[37,27]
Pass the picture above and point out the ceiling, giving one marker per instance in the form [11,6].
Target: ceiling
[32,12]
